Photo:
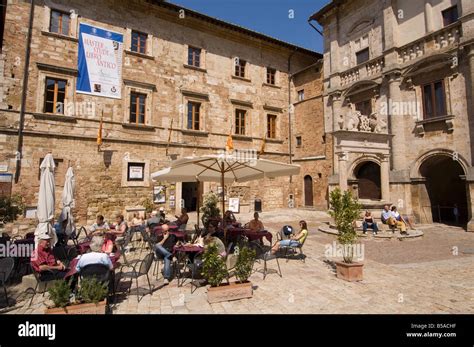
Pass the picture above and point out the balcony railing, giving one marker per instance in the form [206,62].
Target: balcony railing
[362,71]
[439,40]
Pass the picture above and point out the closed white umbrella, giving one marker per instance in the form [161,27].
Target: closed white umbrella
[46,201]
[224,168]
[67,202]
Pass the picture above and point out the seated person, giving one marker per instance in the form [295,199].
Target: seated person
[153,221]
[95,255]
[209,239]
[294,240]
[99,226]
[182,220]
[60,229]
[213,231]
[229,218]
[164,249]
[389,219]
[108,245]
[137,223]
[369,223]
[44,262]
[400,218]
[120,227]
[162,216]
[255,224]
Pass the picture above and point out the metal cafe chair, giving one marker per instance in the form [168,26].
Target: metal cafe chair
[6,268]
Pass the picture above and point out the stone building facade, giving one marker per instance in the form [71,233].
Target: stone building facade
[175,61]
[313,147]
[398,98]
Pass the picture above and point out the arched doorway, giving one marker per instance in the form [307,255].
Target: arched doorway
[368,178]
[308,190]
[446,189]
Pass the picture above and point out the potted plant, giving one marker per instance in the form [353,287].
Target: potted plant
[215,271]
[90,299]
[243,270]
[345,210]
[209,208]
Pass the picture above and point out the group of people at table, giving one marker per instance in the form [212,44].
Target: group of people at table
[103,239]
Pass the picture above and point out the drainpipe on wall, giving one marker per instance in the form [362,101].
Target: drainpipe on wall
[19,150]
[290,107]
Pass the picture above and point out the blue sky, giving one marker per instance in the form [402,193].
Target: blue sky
[270,17]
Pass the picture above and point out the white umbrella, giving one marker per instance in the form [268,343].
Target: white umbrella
[67,202]
[224,168]
[46,201]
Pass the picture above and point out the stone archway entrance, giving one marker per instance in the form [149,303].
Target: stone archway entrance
[446,189]
[368,180]
[308,190]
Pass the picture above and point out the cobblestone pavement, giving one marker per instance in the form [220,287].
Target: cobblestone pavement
[418,276]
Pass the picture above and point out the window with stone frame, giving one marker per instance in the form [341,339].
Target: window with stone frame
[135,171]
[240,65]
[3,12]
[137,108]
[301,95]
[299,141]
[55,94]
[139,42]
[271,74]
[194,115]
[364,107]
[240,117]
[194,56]
[362,56]
[434,99]
[59,22]
[450,15]
[271,126]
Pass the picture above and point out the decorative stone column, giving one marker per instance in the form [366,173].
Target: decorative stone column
[470,206]
[470,108]
[336,104]
[428,17]
[396,126]
[384,177]
[342,156]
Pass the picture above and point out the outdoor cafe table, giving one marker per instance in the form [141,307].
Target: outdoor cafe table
[72,265]
[188,249]
[251,235]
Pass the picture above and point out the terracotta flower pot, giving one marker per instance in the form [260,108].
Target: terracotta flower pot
[349,271]
[228,292]
[91,308]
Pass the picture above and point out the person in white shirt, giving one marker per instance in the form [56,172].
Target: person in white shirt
[95,256]
[99,226]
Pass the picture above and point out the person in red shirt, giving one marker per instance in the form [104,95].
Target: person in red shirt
[44,262]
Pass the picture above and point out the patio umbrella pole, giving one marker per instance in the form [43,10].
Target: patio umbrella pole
[198,197]
[223,203]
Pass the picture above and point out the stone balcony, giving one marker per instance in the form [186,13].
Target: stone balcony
[438,41]
[366,70]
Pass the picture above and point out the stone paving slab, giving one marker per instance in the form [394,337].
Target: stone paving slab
[411,276]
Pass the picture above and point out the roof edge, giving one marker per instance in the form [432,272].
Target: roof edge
[234,27]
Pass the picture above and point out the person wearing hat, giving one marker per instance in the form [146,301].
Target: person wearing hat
[95,256]
[44,262]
